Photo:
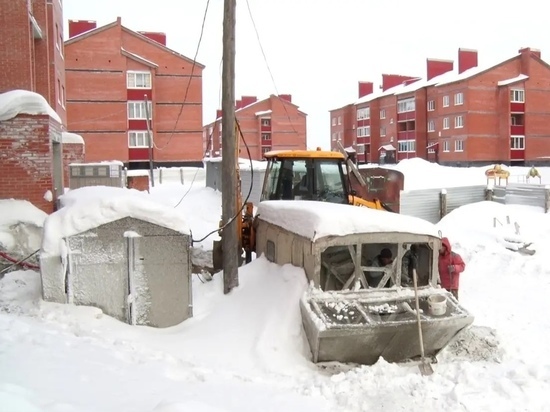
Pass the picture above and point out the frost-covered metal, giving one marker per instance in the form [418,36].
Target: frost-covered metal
[135,271]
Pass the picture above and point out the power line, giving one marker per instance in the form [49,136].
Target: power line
[190,79]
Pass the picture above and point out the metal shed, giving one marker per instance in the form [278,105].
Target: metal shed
[350,315]
[127,256]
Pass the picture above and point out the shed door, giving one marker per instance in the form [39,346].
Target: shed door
[103,285]
[159,279]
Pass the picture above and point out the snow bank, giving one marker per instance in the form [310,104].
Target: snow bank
[315,220]
[90,193]
[14,211]
[17,102]
[20,226]
[82,216]
[67,137]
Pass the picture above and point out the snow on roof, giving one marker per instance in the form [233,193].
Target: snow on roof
[388,147]
[315,220]
[14,211]
[67,137]
[138,57]
[139,172]
[513,80]
[350,149]
[102,163]
[263,112]
[82,216]
[17,102]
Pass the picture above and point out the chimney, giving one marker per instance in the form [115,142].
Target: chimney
[155,36]
[467,59]
[392,80]
[219,113]
[287,97]
[437,67]
[246,100]
[238,104]
[77,27]
[365,88]
[526,54]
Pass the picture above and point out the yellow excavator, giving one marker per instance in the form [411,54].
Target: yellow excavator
[315,175]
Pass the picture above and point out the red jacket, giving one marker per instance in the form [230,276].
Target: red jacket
[450,260]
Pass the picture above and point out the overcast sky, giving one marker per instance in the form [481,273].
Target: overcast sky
[318,50]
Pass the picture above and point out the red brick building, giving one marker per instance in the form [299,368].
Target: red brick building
[111,71]
[274,123]
[31,50]
[472,115]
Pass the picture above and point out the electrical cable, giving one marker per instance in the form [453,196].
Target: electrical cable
[21,261]
[189,82]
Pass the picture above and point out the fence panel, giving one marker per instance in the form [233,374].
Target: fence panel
[525,194]
[424,204]
[464,195]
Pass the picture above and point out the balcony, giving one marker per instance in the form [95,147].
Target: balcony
[517,130]
[402,117]
[517,107]
[36,30]
[407,135]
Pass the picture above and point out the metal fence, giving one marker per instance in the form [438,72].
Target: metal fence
[248,179]
[522,194]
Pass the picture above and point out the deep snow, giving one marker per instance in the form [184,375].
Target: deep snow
[246,351]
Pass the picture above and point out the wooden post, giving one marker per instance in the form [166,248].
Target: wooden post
[230,238]
[443,203]
[160,175]
[181,175]
[489,194]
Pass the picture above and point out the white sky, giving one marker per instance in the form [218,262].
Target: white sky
[318,50]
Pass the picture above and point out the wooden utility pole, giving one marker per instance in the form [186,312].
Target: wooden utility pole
[230,239]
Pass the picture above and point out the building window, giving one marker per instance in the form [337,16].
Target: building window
[59,91]
[406,105]
[136,110]
[334,136]
[267,136]
[363,113]
[517,96]
[446,146]
[264,149]
[267,122]
[517,142]
[383,131]
[445,101]
[138,139]
[339,120]
[382,113]
[138,80]
[406,146]
[334,121]
[459,145]
[459,99]
[459,122]
[367,130]
[431,126]
[360,149]
[446,123]
[431,105]
[63,96]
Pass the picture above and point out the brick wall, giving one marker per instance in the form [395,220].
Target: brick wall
[72,153]
[26,167]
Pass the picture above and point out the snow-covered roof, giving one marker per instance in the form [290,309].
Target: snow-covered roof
[513,80]
[14,211]
[103,163]
[67,137]
[138,58]
[315,220]
[17,102]
[82,216]
[263,112]
[388,147]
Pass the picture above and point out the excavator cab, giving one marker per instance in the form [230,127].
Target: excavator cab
[305,175]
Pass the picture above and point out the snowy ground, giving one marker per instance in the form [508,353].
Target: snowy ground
[246,351]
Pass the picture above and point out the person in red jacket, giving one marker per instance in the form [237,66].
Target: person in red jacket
[451,266]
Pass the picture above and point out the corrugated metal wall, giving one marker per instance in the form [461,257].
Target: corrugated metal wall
[258,181]
[525,194]
[460,196]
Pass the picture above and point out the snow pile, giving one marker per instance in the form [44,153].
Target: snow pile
[17,102]
[68,138]
[20,226]
[82,216]
[315,220]
[92,193]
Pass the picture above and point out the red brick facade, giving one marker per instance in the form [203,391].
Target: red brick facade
[72,153]
[111,71]
[497,114]
[274,123]
[31,48]
[27,166]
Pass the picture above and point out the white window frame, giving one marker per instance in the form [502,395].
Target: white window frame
[382,113]
[517,96]
[136,110]
[431,126]
[63,97]
[360,149]
[367,131]
[406,146]
[363,113]
[132,77]
[140,137]
[517,143]
[339,120]
[431,105]
[382,131]
[446,123]
[406,105]
[459,145]
[333,121]
[446,101]
[266,121]
[459,122]
[459,99]
[446,146]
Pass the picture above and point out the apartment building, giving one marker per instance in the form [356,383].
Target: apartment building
[31,50]
[274,123]
[125,86]
[466,115]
